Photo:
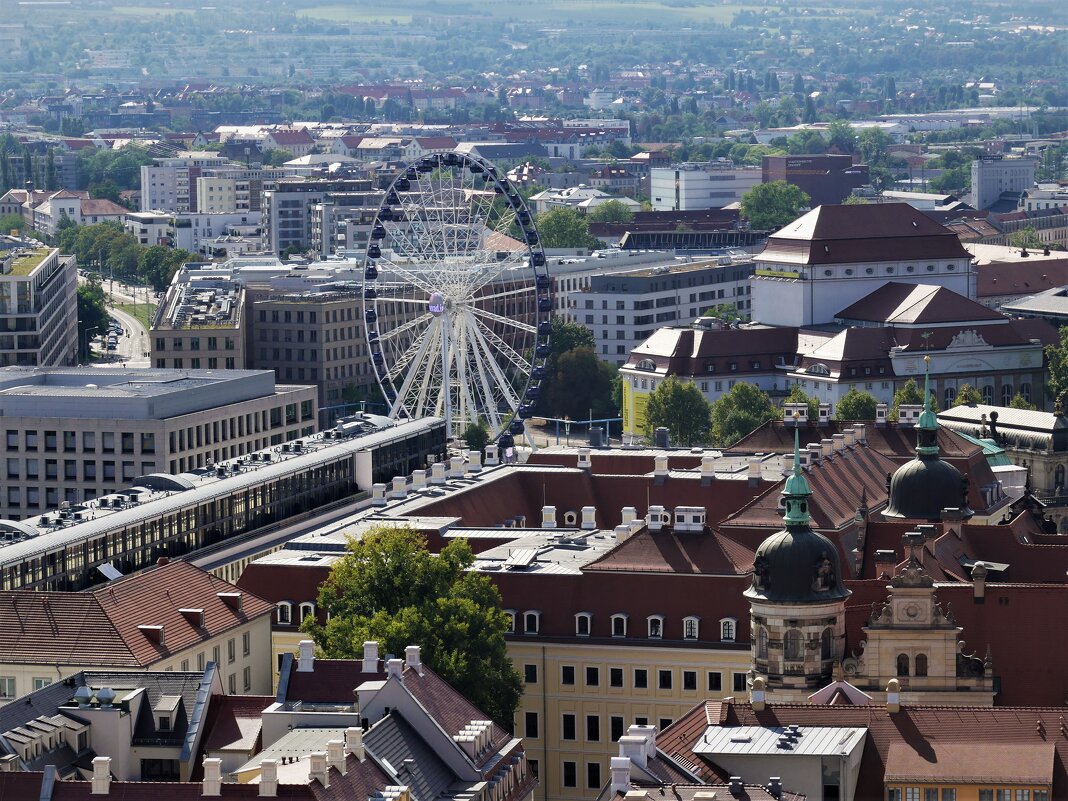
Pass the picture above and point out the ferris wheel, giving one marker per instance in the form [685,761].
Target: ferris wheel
[456,297]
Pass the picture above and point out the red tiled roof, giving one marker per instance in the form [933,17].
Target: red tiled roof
[668,552]
[912,304]
[1020,277]
[102,208]
[297,137]
[224,713]
[890,440]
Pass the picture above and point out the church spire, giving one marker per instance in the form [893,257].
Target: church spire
[796,492]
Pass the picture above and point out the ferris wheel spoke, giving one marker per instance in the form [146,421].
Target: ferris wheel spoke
[408,326]
[416,278]
[503,383]
[463,380]
[503,347]
[498,268]
[433,363]
[506,321]
[414,355]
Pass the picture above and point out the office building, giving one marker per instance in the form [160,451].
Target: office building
[63,444]
[826,179]
[38,308]
[994,175]
[700,185]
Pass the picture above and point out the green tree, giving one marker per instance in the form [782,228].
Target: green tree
[967,395]
[910,394]
[1018,402]
[682,409]
[1027,238]
[565,228]
[856,405]
[272,157]
[565,337]
[726,312]
[390,588]
[742,410]
[581,386]
[874,146]
[772,205]
[611,211]
[92,313]
[476,435]
[11,222]
[798,395]
[1057,356]
[841,137]
[855,200]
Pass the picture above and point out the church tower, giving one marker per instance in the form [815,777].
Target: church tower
[797,601]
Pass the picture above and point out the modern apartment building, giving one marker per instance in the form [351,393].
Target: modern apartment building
[64,444]
[170,184]
[200,325]
[624,309]
[38,308]
[700,185]
[342,222]
[287,209]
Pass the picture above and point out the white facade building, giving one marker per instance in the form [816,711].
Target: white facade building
[992,175]
[692,186]
[169,184]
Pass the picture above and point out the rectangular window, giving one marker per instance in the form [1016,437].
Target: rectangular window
[616,727]
[615,677]
[739,682]
[593,676]
[246,644]
[930,794]
[7,686]
[570,774]
[530,674]
[39,683]
[689,679]
[231,650]
[567,674]
[663,723]
[567,729]
[663,679]
[231,683]
[530,728]
[593,728]
[593,775]
[715,681]
[893,794]
[1021,795]
[246,678]
[641,678]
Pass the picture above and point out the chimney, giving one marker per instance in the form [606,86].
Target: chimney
[269,778]
[850,437]
[493,457]
[548,517]
[101,775]
[212,784]
[881,410]
[354,741]
[708,468]
[660,465]
[736,786]
[306,658]
[753,474]
[861,432]
[474,461]
[335,755]
[585,462]
[826,446]
[758,695]
[893,696]
[232,600]
[655,519]
[456,467]
[399,488]
[395,668]
[589,518]
[775,787]
[412,658]
[629,516]
[815,452]
[370,656]
[839,442]
[622,533]
[378,494]
[437,473]
[632,748]
[418,479]
[620,775]
[825,414]
[318,768]
[649,733]
[979,581]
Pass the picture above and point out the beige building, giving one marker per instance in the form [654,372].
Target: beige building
[219,196]
[64,443]
[174,617]
[38,308]
[200,326]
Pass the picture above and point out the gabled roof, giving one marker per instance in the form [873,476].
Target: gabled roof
[896,303]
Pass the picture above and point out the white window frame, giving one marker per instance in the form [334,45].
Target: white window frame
[536,614]
[512,618]
[724,622]
[621,616]
[307,608]
[588,617]
[696,622]
[649,623]
[285,607]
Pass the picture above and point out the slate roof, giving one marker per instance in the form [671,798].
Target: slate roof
[416,763]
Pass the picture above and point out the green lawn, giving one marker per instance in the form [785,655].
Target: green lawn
[140,312]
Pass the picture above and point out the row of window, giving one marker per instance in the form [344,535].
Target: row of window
[665,678]
[793,644]
[126,441]
[654,625]
[196,364]
[177,343]
[284,613]
[950,794]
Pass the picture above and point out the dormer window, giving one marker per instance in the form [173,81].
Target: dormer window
[656,626]
[307,609]
[531,621]
[727,629]
[583,623]
[511,619]
[284,613]
[646,364]
[164,723]
[619,625]
[690,627]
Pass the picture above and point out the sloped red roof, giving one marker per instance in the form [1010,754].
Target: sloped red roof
[910,304]
[102,208]
[297,137]
[1020,277]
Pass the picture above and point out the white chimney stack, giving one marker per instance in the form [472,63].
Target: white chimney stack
[589,518]
[548,517]
[370,657]
[269,778]
[306,658]
[839,442]
[827,446]
[492,455]
[395,668]
[632,748]
[815,452]
[378,494]
[354,741]
[622,533]
[412,657]
[585,462]
[660,465]
[418,479]
[101,775]
[318,768]
[708,466]
[456,467]
[212,785]
[850,437]
[629,516]
[474,461]
[335,755]
[753,473]
[400,487]
[620,775]
[649,733]
[437,473]
[861,431]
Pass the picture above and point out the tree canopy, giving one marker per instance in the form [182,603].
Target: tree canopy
[910,394]
[742,410]
[565,228]
[680,407]
[476,435]
[92,312]
[856,405]
[772,205]
[967,395]
[390,588]
[115,250]
[611,211]
[798,395]
[582,385]
[1057,355]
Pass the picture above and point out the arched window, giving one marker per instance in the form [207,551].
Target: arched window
[948,396]
[619,625]
[827,644]
[690,627]
[1025,391]
[284,612]
[921,664]
[656,626]
[988,394]
[511,619]
[307,609]
[1006,394]
[902,664]
[727,628]
[793,645]
[530,622]
[762,643]
[1058,477]
[583,621]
